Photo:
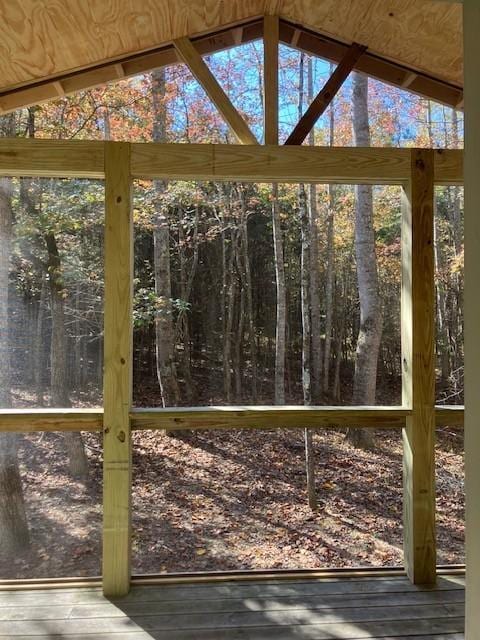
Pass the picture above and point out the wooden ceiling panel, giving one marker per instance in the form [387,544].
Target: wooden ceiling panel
[41,39]
[421,34]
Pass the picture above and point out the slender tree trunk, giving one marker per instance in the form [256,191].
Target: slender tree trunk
[330,271]
[305,291]
[314,270]
[38,345]
[370,331]
[280,330]
[229,314]
[164,326]
[247,285]
[58,358]
[14,535]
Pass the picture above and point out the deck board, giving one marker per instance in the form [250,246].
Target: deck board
[341,609]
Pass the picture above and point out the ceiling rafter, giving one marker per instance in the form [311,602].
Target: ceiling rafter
[293,35]
[199,69]
[326,94]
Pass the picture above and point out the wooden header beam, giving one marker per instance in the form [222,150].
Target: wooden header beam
[222,162]
[293,35]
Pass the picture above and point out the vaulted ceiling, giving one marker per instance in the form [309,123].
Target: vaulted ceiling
[45,39]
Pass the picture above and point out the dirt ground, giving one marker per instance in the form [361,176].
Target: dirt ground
[234,500]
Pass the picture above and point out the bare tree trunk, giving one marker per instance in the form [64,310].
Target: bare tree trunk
[280,329]
[14,535]
[229,313]
[78,464]
[38,346]
[370,331]
[164,326]
[305,286]
[247,285]
[314,270]
[330,274]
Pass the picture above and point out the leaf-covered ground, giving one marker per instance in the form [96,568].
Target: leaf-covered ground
[220,500]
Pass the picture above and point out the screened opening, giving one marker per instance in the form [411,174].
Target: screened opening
[206,280]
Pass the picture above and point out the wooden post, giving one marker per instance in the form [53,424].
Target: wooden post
[471,29]
[418,378]
[270,79]
[117,385]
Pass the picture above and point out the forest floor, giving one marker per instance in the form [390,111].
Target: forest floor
[234,500]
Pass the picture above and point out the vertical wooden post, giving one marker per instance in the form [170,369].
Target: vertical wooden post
[418,377]
[117,385]
[270,78]
[471,29]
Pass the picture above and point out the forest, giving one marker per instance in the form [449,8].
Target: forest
[243,294]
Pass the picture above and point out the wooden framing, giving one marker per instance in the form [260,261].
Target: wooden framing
[471,30]
[290,34]
[325,96]
[199,69]
[117,381]
[270,80]
[418,378]
[119,163]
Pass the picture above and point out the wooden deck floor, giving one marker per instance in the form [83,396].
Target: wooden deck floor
[337,609]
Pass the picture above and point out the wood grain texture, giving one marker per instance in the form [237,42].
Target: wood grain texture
[271,163]
[117,382]
[27,420]
[326,94]
[270,78]
[266,417]
[199,69]
[42,38]
[56,158]
[418,376]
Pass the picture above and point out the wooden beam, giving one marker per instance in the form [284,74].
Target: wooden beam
[471,30]
[214,91]
[372,65]
[268,417]
[117,384]
[40,420]
[290,164]
[449,416]
[51,158]
[270,79]
[127,66]
[325,96]
[418,377]
[27,420]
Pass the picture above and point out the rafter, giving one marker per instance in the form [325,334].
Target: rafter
[214,91]
[301,38]
[325,96]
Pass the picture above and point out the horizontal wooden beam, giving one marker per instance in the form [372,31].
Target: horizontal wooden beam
[325,96]
[57,158]
[291,164]
[27,420]
[267,417]
[449,416]
[256,163]
[30,420]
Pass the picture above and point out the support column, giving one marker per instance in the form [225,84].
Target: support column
[471,30]
[418,370]
[117,382]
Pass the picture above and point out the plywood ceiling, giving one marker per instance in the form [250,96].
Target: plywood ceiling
[46,38]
